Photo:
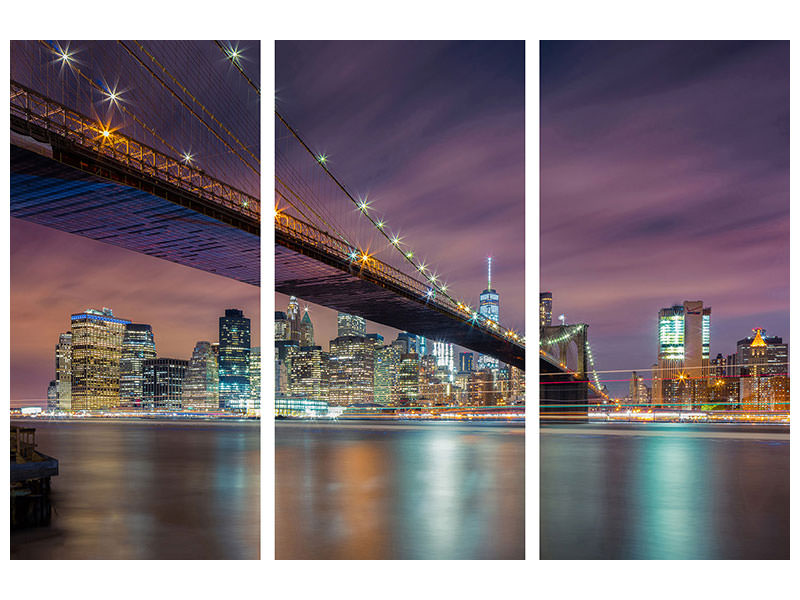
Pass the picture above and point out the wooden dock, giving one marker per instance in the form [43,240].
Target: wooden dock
[30,480]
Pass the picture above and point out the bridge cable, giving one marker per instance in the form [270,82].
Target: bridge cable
[185,105]
[196,101]
[231,58]
[356,203]
[122,107]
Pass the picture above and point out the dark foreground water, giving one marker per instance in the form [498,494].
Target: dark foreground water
[664,491]
[369,490]
[149,490]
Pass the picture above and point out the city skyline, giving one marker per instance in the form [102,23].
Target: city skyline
[664,177]
[439,148]
[182,305]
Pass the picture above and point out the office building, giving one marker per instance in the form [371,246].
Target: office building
[163,383]
[307,374]
[63,401]
[282,329]
[638,392]
[201,385]
[97,337]
[408,379]
[684,338]
[443,353]
[351,364]
[350,325]
[545,309]
[306,337]
[293,317]
[234,361]
[254,406]
[52,396]
[138,345]
[466,362]
[489,307]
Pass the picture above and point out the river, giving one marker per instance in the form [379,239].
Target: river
[131,489]
[664,491]
[399,490]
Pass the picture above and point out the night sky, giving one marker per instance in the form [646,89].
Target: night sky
[665,177]
[55,274]
[434,131]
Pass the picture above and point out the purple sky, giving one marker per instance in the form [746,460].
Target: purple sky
[55,274]
[665,177]
[434,132]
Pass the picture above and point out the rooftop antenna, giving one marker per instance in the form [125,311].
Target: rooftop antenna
[489,286]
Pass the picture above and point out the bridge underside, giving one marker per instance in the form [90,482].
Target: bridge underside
[52,192]
[562,397]
[339,287]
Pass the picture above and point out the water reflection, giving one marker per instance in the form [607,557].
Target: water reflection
[664,491]
[399,491]
[149,490]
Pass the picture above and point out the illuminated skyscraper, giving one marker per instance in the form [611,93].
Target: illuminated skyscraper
[545,309]
[351,364]
[234,361]
[762,365]
[96,351]
[306,330]
[466,362]
[349,325]
[63,400]
[408,379]
[138,346]
[684,339]
[255,381]
[293,316]
[163,383]
[201,385]
[307,377]
[282,329]
[443,352]
[489,307]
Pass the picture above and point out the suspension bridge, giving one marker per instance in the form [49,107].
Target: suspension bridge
[151,146]
[568,380]
[332,249]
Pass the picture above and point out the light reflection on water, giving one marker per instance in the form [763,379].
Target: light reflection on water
[384,490]
[646,495]
[149,490]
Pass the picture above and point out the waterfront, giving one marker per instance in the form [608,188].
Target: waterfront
[399,490]
[131,489]
[664,491]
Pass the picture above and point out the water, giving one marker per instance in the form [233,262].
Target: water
[148,490]
[368,490]
[682,491]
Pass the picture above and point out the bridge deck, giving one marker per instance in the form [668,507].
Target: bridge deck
[50,192]
[318,277]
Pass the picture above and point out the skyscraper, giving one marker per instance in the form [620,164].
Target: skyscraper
[308,376]
[684,339]
[282,329]
[163,383]
[466,362]
[138,346]
[201,385]
[255,381]
[489,307]
[762,366]
[293,317]
[443,352]
[234,361]
[63,400]
[351,364]
[349,325]
[545,309]
[306,330]
[96,351]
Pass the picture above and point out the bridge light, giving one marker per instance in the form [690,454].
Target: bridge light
[409,255]
[106,133]
[322,159]
[188,157]
[363,205]
[379,224]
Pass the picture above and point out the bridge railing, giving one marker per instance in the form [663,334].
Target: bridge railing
[93,135]
[386,273]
